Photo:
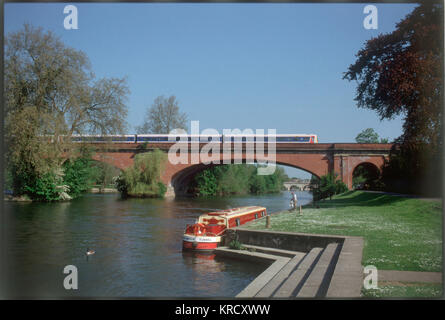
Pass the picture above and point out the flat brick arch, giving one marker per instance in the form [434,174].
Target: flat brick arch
[317,159]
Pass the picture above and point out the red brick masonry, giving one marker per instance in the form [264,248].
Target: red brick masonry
[317,159]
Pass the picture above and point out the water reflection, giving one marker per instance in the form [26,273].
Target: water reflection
[138,244]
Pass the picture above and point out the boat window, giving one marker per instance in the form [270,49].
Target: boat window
[256,215]
[237,222]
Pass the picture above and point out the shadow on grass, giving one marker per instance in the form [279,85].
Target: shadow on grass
[360,198]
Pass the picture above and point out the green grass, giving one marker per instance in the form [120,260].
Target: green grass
[405,290]
[399,233]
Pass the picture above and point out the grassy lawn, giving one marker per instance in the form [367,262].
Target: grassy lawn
[403,290]
[399,233]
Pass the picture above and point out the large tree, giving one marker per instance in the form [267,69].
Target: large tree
[163,116]
[50,94]
[401,73]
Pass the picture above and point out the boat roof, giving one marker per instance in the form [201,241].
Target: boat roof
[235,211]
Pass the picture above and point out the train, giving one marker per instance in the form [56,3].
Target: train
[221,138]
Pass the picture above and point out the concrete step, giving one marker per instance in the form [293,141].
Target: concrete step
[274,251]
[269,289]
[247,255]
[264,278]
[298,276]
[317,283]
[347,280]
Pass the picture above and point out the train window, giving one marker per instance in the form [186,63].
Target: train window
[237,222]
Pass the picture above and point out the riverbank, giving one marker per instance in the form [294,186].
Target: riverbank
[25,198]
[400,233]
[103,190]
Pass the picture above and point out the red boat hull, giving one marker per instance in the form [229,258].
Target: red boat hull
[199,246]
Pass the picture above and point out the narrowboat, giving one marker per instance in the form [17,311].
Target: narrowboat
[206,234]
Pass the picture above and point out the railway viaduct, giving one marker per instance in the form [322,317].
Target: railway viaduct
[317,159]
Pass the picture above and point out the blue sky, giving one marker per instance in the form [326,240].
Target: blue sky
[257,66]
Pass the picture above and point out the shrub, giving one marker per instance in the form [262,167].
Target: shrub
[78,176]
[340,187]
[43,188]
[235,245]
[236,179]
[143,178]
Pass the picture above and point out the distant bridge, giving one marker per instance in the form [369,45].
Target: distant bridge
[295,185]
[317,159]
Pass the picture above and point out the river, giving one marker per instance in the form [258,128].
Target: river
[137,244]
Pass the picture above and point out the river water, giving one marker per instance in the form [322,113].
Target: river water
[137,244]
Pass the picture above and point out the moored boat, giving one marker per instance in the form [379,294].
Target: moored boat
[206,234]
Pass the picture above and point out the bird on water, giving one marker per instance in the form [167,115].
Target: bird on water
[90,252]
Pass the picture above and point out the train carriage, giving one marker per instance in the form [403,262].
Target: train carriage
[127,138]
[186,138]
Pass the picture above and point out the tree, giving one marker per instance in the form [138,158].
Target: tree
[236,179]
[326,186]
[401,73]
[143,178]
[51,94]
[369,136]
[163,116]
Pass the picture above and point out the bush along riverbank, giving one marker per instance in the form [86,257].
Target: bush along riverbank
[238,179]
[73,178]
[400,233]
[143,178]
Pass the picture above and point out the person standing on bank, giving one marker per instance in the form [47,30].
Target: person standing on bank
[294,199]
[293,203]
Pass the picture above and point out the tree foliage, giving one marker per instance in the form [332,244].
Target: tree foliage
[163,116]
[143,178]
[237,179]
[369,136]
[50,94]
[326,186]
[78,175]
[401,73]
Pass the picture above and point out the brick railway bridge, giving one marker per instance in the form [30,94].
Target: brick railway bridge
[317,159]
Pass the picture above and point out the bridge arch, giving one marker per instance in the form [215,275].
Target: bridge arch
[180,180]
[367,171]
